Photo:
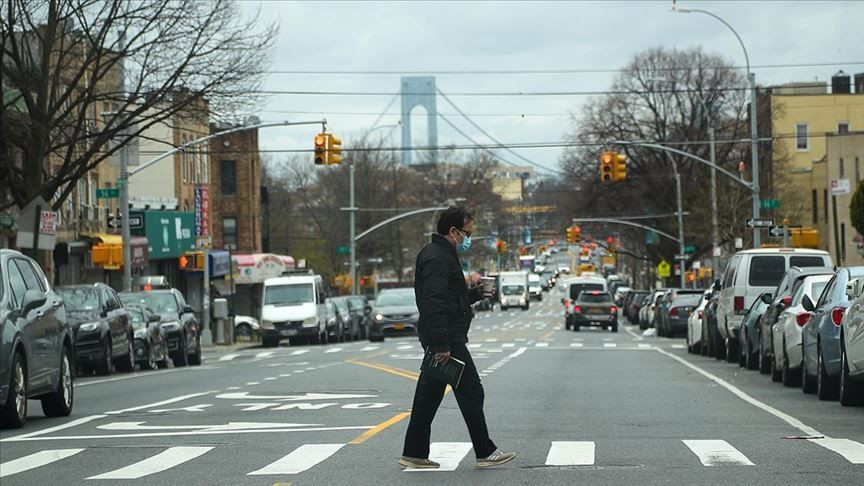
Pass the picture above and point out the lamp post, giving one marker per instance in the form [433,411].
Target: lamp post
[754,148]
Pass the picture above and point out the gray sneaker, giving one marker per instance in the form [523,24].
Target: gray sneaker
[415,463]
[496,458]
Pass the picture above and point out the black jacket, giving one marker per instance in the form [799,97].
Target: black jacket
[443,298]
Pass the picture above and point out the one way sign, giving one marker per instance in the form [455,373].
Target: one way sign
[777,231]
[760,223]
[115,221]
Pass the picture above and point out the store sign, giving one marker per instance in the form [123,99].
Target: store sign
[169,233]
[202,211]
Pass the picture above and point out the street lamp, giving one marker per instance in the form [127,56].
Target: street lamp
[754,149]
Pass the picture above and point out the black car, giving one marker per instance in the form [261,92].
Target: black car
[178,321]
[36,342]
[594,308]
[103,333]
[394,314]
[151,347]
[335,322]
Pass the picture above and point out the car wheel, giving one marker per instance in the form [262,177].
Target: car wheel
[127,363]
[730,349]
[615,327]
[851,393]
[826,387]
[195,358]
[790,377]
[742,357]
[13,413]
[243,332]
[764,364]
[576,327]
[107,365]
[719,347]
[751,358]
[59,402]
[776,373]
[151,359]
[182,358]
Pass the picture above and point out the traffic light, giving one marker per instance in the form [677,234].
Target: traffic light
[501,246]
[191,261]
[606,168]
[619,167]
[321,149]
[571,236]
[334,149]
[577,234]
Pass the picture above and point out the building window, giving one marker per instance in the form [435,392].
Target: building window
[843,127]
[802,140]
[842,168]
[229,232]
[825,203]
[228,177]
[815,206]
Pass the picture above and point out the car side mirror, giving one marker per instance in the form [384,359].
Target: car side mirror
[767,298]
[562,300]
[188,310]
[808,304]
[155,318]
[32,300]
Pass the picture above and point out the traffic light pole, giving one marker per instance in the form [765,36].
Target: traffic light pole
[352,212]
[682,259]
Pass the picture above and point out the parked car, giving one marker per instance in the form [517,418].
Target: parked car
[395,313]
[178,320]
[333,318]
[245,327]
[36,343]
[790,283]
[676,311]
[748,274]
[748,355]
[151,347]
[785,363]
[103,332]
[361,310]
[644,311]
[820,339]
[619,293]
[694,324]
[594,308]
[852,349]
[709,323]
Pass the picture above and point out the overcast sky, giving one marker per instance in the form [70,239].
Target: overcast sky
[439,36]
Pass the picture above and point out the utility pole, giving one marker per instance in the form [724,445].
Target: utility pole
[352,212]
[125,232]
[754,155]
[715,232]
[682,262]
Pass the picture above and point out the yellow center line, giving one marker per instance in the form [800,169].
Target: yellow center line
[380,427]
[387,369]
[547,334]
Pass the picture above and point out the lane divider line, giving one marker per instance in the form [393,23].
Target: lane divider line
[380,428]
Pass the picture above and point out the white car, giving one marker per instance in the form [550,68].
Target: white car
[694,324]
[245,327]
[787,330]
[655,299]
[750,273]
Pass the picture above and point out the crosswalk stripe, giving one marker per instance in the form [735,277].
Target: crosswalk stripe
[299,460]
[508,345]
[448,454]
[171,457]
[369,348]
[264,354]
[643,345]
[299,352]
[575,345]
[35,460]
[717,453]
[610,345]
[228,357]
[570,453]
[678,346]
[851,450]
[541,345]
[406,347]
[333,350]
[474,346]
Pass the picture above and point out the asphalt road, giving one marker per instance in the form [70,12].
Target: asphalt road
[592,407]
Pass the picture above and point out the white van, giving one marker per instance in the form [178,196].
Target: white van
[535,290]
[293,307]
[748,274]
[574,287]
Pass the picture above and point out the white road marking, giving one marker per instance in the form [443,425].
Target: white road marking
[635,336]
[448,454]
[264,354]
[333,350]
[564,453]
[369,348]
[491,340]
[717,453]
[253,383]
[575,345]
[270,378]
[678,346]
[405,347]
[851,450]
[794,422]
[299,460]
[474,346]
[228,357]
[163,402]
[610,345]
[49,430]
[196,432]
[508,345]
[298,352]
[35,460]
[643,345]
[171,457]
[541,345]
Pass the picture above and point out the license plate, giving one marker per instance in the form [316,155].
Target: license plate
[288,332]
[595,311]
[399,327]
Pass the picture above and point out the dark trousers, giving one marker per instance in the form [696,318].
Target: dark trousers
[427,398]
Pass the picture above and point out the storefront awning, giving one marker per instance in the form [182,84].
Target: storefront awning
[107,250]
[257,267]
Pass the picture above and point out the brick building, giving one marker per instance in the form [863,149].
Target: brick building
[236,220]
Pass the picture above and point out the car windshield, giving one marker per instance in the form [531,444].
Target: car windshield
[386,299]
[136,316]
[160,303]
[512,289]
[576,289]
[80,299]
[356,303]
[595,297]
[687,300]
[289,294]
[342,305]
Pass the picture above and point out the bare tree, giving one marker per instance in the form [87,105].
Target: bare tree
[82,78]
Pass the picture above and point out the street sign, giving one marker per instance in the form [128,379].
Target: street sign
[344,250]
[690,249]
[115,221]
[664,269]
[840,186]
[202,242]
[682,257]
[760,223]
[136,221]
[777,231]
[108,193]
[770,203]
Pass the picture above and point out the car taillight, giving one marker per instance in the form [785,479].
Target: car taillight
[802,318]
[738,304]
[577,308]
[566,303]
[701,313]
[787,301]
[673,311]
[837,315]
[613,309]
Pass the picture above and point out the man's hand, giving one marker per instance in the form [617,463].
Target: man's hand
[441,358]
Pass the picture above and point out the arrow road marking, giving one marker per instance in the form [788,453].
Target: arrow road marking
[285,398]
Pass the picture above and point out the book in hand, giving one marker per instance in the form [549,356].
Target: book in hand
[449,372]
